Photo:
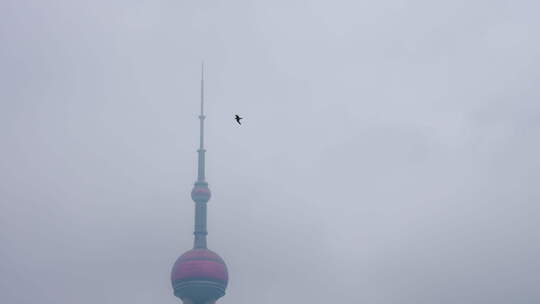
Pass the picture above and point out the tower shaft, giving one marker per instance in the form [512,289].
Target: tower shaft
[200,231]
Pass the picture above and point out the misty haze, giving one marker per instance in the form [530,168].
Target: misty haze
[388,152]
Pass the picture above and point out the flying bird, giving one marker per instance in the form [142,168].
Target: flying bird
[238,119]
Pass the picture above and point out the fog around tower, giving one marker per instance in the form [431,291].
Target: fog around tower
[388,151]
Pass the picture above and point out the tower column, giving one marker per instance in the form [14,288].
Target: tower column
[200,225]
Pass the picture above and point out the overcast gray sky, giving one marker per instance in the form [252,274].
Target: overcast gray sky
[389,151]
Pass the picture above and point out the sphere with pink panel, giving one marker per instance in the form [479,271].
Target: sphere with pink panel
[200,275]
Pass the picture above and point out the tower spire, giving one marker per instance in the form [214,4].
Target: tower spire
[201,193]
[201,172]
[202,88]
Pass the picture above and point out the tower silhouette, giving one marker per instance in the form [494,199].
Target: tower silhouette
[200,275]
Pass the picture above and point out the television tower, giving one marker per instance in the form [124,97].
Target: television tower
[200,276]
